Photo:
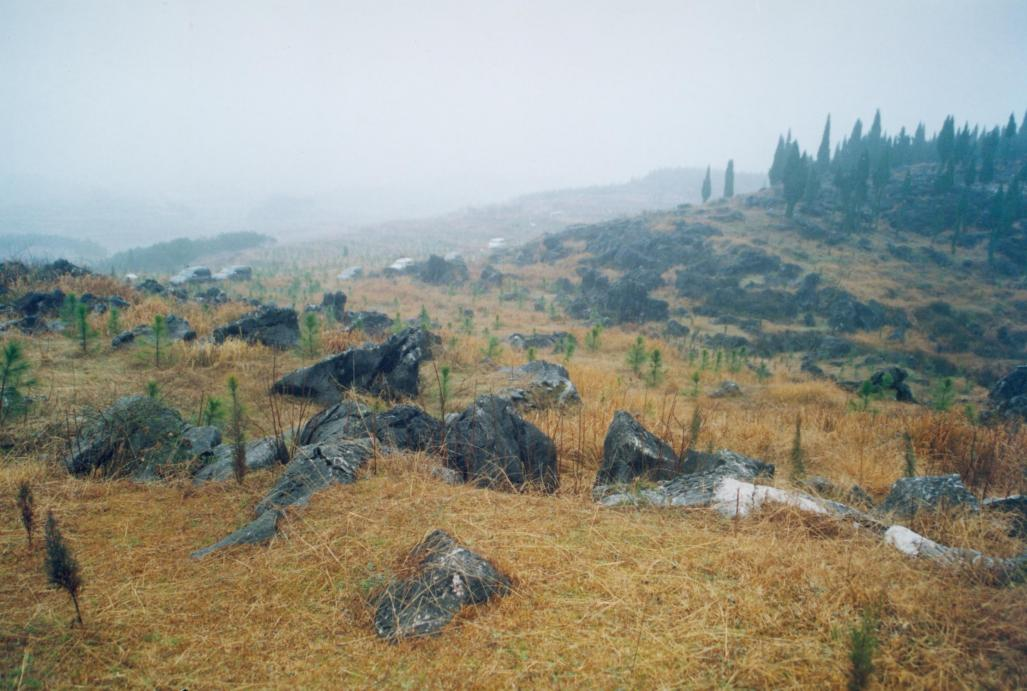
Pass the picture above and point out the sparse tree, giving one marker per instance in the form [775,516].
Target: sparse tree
[113,322]
[655,367]
[947,140]
[909,454]
[729,180]
[824,152]
[83,332]
[637,355]
[310,335]
[236,431]
[778,166]
[61,568]
[707,186]
[14,369]
[797,455]
[159,329]
[794,178]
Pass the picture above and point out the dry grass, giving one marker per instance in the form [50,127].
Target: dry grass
[603,598]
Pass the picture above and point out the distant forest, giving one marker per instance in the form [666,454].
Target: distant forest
[170,256]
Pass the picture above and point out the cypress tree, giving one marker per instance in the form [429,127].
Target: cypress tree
[707,186]
[824,152]
[794,178]
[947,140]
[778,166]
[729,180]
[989,147]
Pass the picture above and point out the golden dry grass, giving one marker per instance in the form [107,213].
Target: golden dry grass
[602,598]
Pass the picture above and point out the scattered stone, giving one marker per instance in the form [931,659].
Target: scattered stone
[1008,398]
[727,389]
[39,303]
[403,428]
[391,369]
[175,329]
[676,329]
[538,341]
[151,286]
[212,296]
[545,385]
[447,475]
[447,576]
[236,272]
[491,277]
[191,274]
[911,494]
[261,454]
[371,323]
[275,327]
[350,273]
[137,436]
[258,531]
[334,304]
[492,446]
[631,451]
[860,497]
[442,271]
[201,441]
[1016,505]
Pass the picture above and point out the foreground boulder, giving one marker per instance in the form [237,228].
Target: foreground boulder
[261,454]
[313,468]
[1008,398]
[631,451]
[275,327]
[138,437]
[1016,506]
[492,446]
[541,385]
[446,577]
[403,428]
[390,369]
[912,494]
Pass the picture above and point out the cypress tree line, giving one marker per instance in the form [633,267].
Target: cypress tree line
[707,186]
[729,179]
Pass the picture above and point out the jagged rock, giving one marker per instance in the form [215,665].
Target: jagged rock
[201,441]
[370,322]
[100,305]
[151,286]
[911,494]
[236,272]
[350,273]
[390,369]
[404,427]
[441,271]
[676,329]
[493,446]
[727,389]
[1008,398]
[894,379]
[626,300]
[212,296]
[334,304]
[860,497]
[491,277]
[261,454]
[175,329]
[137,436]
[631,451]
[1015,505]
[275,327]
[39,303]
[191,274]
[538,341]
[544,385]
[447,577]
[312,469]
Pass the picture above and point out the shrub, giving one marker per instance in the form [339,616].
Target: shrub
[26,506]
[61,568]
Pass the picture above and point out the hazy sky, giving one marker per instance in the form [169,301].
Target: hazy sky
[468,101]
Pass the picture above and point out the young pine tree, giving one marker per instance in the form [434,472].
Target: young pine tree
[61,568]
[159,329]
[637,355]
[14,370]
[707,186]
[655,367]
[113,322]
[83,332]
[310,336]
[729,180]
[797,455]
[910,455]
[236,432]
[27,509]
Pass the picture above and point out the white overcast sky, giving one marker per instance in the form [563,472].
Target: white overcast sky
[474,100]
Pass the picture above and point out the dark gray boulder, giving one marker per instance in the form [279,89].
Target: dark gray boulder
[313,468]
[175,329]
[894,379]
[334,304]
[369,322]
[493,446]
[39,303]
[911,494]
[447,577]
[541,385]
[631,451]
[1008,398]
[727,464]
[727,389]
[403,428]
[440,271]
[390,369]
[137,436]
[538,341]
[275,327]
[191,274]
[261,454]
[491,277]
[1016,506]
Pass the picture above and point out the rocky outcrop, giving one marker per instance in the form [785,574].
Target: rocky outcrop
[912,494]
[538,341]
[631,451]
[261,454]
[442,271]
[626,300]
[540,385]
[369,322]
[39,303]
[492,446]
[191,274]
[275,327]
[403,428]
[313,468]
[491,277]
[1016,507]
[390,369]
[138,437]
[1008,398]
[893,379]
[175,329]
[235,272]
[447,576]
[727,389]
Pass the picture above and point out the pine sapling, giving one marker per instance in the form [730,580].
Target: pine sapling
[26,505]
[159,328]
[910,455]
[83,332]
[61,568]
[862,646]
[13,376]
[236,433]
[655,367]
[637,356]
[798,455]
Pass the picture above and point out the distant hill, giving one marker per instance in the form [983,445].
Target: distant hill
[30,247]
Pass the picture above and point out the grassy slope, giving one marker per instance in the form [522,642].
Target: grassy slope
[603,597]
